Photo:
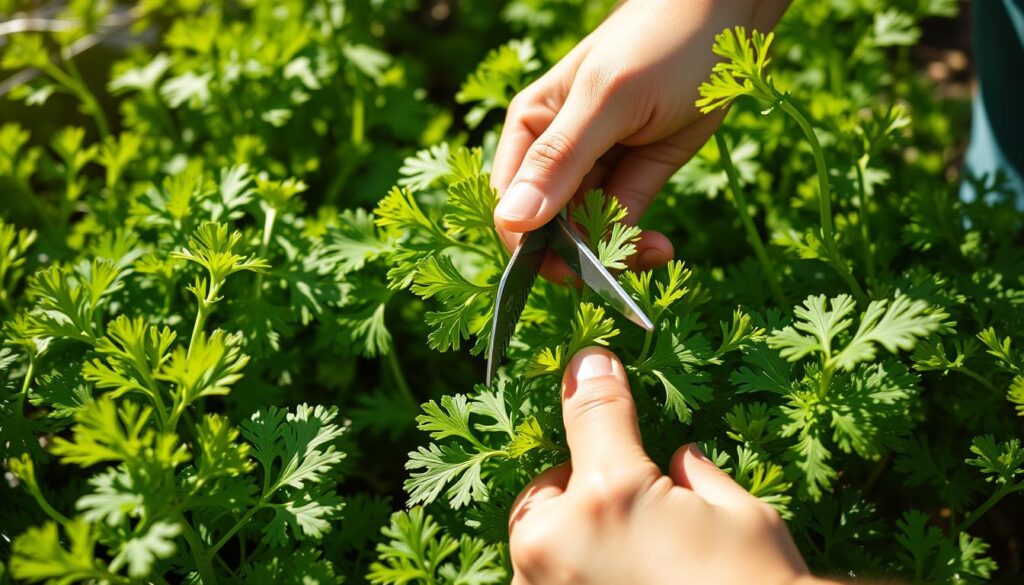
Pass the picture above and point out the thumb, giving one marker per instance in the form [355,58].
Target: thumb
[600,418]
[690,468]
[555,164]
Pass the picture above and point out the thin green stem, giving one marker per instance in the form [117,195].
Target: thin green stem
[176,412]
[876,472]
[824,191]
[985,506]
[197,327]
[976,377]
[205,307]
[25,384]
[268,230]
[5,302]
[235,528]
[740,200]
[158,402]
[836,73]
[50,511]
[32,486]
[203,558]
[358,116]
[828,236]
[395,368]
[648,338]
[499,246]
[862,219]
[478,250]
[72,80]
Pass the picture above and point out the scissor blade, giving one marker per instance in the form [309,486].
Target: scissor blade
[514,288]
[571,248]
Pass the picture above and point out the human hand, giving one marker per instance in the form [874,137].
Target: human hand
[618,113]
[611,516]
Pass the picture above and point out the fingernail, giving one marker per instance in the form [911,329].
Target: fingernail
[589,364]
[696,452]
[521,201]
[651,258]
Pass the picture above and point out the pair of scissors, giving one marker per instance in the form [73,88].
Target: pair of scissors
[516,282]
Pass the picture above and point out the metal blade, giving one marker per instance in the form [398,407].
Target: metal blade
[571,248]
[514,288]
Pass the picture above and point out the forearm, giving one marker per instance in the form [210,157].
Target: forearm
[767,14]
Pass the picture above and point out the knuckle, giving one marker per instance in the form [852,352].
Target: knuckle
[531,543]
[771,516]
[764,518]
[550,151]
[611,490]
[661,486]
[601,395]
[518,103]
[605,84]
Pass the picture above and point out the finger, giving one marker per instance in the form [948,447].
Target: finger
[556,163]
[653,250]
[642,173]
[600,417]
[691,469]
[530,112]
[594,179]
[527,117]
[545,486]
[554,269]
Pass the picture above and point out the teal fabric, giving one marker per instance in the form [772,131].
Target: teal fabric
[997,125]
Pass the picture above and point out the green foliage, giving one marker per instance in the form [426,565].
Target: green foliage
[418,552]
[498,77]
[742,72]
[266,208]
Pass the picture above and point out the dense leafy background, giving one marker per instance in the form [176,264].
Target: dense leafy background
[234,238]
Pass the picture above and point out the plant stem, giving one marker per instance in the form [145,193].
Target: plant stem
[478,250]
[358,117]
[23,395]
[876,472]
[740,200]
[862,219]
[158,402]
[197,327]
[396,372]
[73,81]
[976,377]
[268,229]
[648,338]
[825,201]
[205,307]
[499,246]
[37,495]
[231,531]
[985,506]
[825,379]
[203,558]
